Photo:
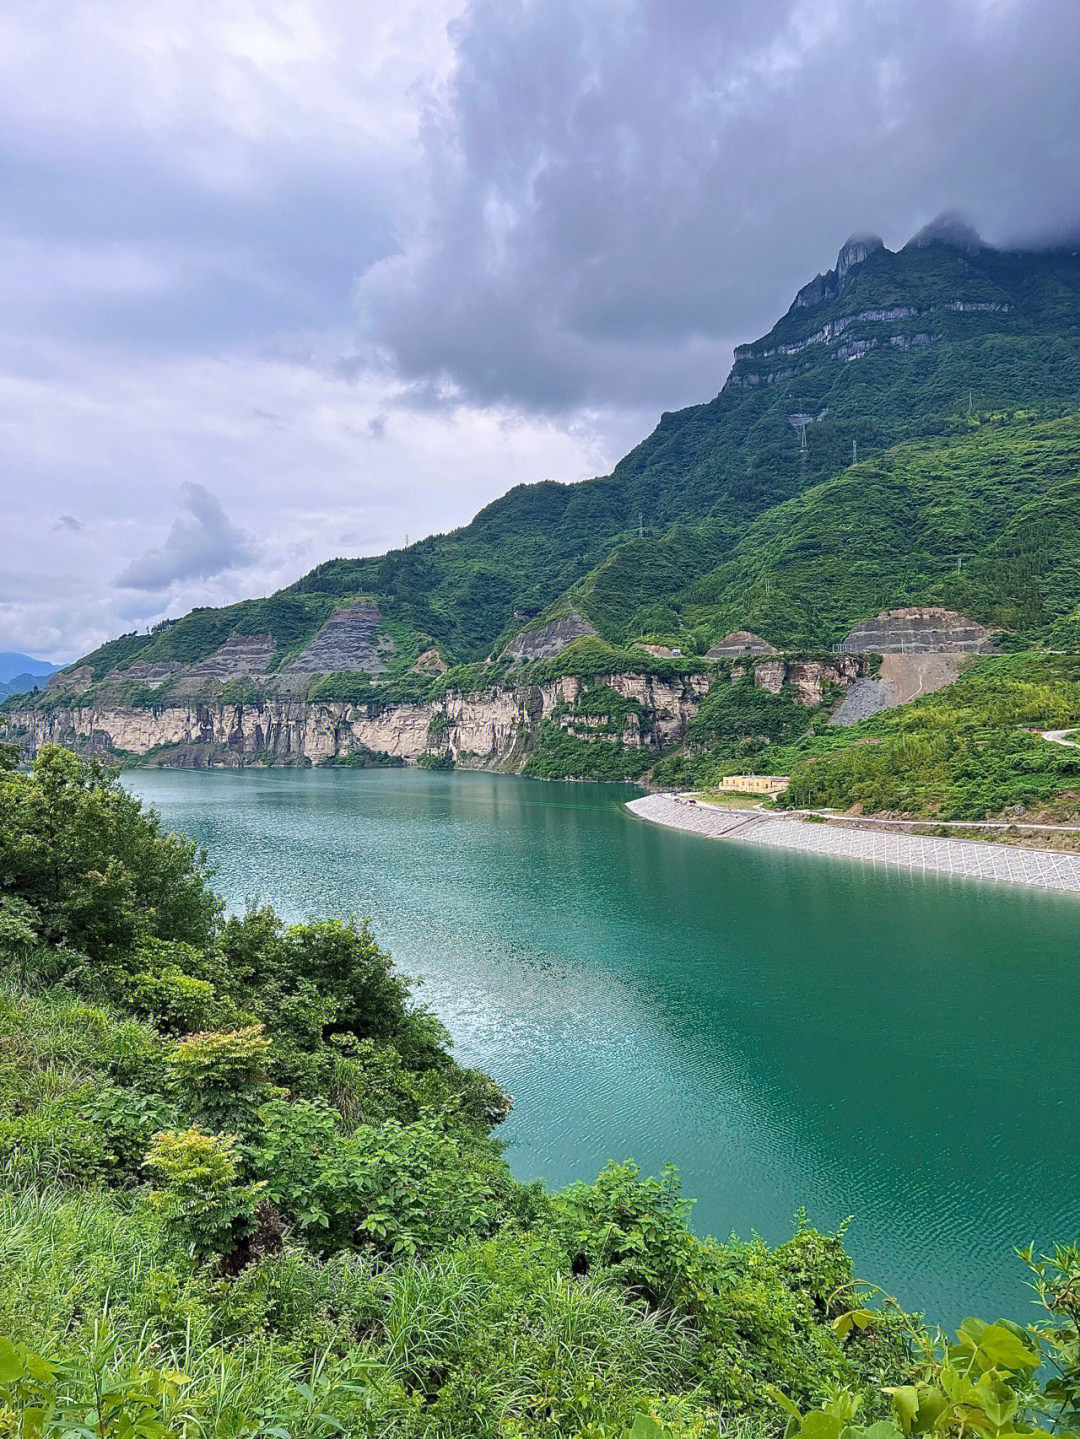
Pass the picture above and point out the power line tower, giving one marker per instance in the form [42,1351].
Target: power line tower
[640,525]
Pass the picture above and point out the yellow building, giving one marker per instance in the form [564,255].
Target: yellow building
[755,783]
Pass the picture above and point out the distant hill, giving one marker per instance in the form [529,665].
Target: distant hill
[20,673]
[20,684]
[13,664]
[906,433]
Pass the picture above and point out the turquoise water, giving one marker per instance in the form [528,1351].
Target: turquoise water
[790,1031]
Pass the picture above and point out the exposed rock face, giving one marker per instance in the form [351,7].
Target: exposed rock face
[740,642]
[854,251]
[148,673]
[770,675]
[808,678]
[901,679]
[430,662]
[826,287]
[349,640]
[76,679]
[549,639]
[495,727]
[239,656]
[918,629]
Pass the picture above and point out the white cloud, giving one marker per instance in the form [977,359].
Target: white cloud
[202,544]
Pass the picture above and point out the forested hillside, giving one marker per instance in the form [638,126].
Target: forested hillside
[981,519]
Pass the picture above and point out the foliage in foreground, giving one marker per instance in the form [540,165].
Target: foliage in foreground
[247,1191]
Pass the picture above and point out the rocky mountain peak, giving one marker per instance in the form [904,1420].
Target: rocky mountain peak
[853,252]
[826,287]
[949,228]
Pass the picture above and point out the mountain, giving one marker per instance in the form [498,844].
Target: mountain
[13,664]
[907,434]
[20,674]
[20,684]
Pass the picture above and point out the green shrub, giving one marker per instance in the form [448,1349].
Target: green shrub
[96,868]
[201,1196]
[221,1077]
[53,1399]
[397,1188]
[176,1002]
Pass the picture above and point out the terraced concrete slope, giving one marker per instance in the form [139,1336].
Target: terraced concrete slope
[917,629]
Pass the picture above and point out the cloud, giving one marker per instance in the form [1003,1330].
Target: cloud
[67,522]
[368,277]
[618,192]
[202,545]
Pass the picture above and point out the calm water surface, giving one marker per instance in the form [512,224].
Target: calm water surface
[791,1031]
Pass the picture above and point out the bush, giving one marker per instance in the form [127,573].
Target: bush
[98,871]
[221,1077]
[202,1197]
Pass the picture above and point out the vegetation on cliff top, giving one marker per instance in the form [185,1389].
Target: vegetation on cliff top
[246,1191]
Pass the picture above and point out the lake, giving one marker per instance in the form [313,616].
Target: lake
[790,1031]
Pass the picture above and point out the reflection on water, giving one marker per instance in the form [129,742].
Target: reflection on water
[790,1031]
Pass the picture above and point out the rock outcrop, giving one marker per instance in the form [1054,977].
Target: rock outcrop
[546,642]
[826,287]
[495,728]
[349,640]
[811,680]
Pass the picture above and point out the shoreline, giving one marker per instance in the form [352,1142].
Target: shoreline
[966,858]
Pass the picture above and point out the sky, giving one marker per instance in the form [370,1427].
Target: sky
[290,279]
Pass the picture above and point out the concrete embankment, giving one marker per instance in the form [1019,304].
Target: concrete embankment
[1041,869]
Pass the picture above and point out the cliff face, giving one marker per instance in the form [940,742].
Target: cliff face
[494,727]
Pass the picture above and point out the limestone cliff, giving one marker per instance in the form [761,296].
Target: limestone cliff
[495,727]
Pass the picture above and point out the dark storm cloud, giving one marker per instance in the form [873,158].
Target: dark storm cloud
[201,545]
[617,192]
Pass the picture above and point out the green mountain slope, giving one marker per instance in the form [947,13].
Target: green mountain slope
[983,521]
[886,348]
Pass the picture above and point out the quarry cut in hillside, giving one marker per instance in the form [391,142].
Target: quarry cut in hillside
[548,640]
[919,630]
[922,650]
[349,640]
[740,642]
[195,715]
